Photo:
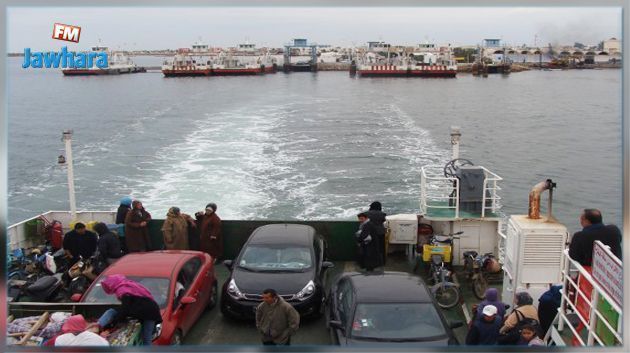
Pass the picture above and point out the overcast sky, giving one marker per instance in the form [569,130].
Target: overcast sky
[174,27]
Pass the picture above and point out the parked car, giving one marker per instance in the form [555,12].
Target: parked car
[182,283]
[289,258]
[387,307]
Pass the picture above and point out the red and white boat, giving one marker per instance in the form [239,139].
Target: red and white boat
[426,60]
[184,64]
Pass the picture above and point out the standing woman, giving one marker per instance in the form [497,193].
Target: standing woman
[209,225]
[123,209]
[137,303]
[136,228]
[125,206]
[175,229]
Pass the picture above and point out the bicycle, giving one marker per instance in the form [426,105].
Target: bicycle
[438,252]
[480,271]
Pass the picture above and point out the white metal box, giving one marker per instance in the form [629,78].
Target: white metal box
[533,254]
[403,228]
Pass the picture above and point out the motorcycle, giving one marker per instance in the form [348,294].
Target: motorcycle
[438,252]
[481,270]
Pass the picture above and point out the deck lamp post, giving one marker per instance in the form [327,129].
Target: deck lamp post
[67,138]
[455,135]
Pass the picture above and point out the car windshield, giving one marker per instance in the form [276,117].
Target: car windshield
[397,321]
[276,258]
[159,288]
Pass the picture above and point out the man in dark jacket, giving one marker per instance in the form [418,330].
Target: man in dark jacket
[581,247]
[377,218]
[108,245]
[79,242]
[548,305]
[368,255]
[276,320]
[485,330]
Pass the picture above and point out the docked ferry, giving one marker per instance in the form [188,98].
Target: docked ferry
[426,60]
[118,63]
[226,64]
[459,197]
[185,64]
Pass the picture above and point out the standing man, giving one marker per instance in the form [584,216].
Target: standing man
[368,256]
[581,248]
[276,320]
[79,242]
[377,218]
[209,225]
[137,229]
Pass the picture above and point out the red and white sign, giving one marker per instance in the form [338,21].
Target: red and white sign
[68,33]
[607,272]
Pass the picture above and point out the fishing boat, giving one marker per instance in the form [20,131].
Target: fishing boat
[118,63]
[184,64]
[457,197]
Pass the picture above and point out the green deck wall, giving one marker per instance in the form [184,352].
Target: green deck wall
[338,234]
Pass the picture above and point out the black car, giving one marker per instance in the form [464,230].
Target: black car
[286,257]
[386,307]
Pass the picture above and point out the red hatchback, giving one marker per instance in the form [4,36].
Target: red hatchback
[181,282]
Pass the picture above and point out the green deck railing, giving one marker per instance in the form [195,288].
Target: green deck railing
[339,236]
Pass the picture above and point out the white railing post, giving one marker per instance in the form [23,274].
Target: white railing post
[483,198]
[592,317]
[565,289]
[456,198]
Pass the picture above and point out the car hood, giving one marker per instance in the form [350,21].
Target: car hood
[283,282]
[359,342]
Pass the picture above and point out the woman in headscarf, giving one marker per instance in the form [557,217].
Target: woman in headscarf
[209,225]
[136,228]
[125,206]
[524,309]
[121,214]
[175,229]
[137,303]
[492,298]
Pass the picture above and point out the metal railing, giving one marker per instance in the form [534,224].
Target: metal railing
[569,270]
[439,192]
[16,233]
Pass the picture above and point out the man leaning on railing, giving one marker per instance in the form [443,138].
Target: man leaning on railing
[581,247]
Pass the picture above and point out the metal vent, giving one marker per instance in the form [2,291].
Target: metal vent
[543,249]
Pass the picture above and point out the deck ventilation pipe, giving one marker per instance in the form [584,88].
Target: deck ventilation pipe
[534,199]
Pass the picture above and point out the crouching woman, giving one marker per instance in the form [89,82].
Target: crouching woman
[137,303]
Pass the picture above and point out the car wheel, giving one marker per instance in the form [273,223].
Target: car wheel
[225,312]
[177,338]
[447,296]
[214,297]
[479,286]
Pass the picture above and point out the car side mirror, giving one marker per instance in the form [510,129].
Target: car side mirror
[327,264]
[76,297]
[336,325]
[188,300]
[228,264]
[456,324]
